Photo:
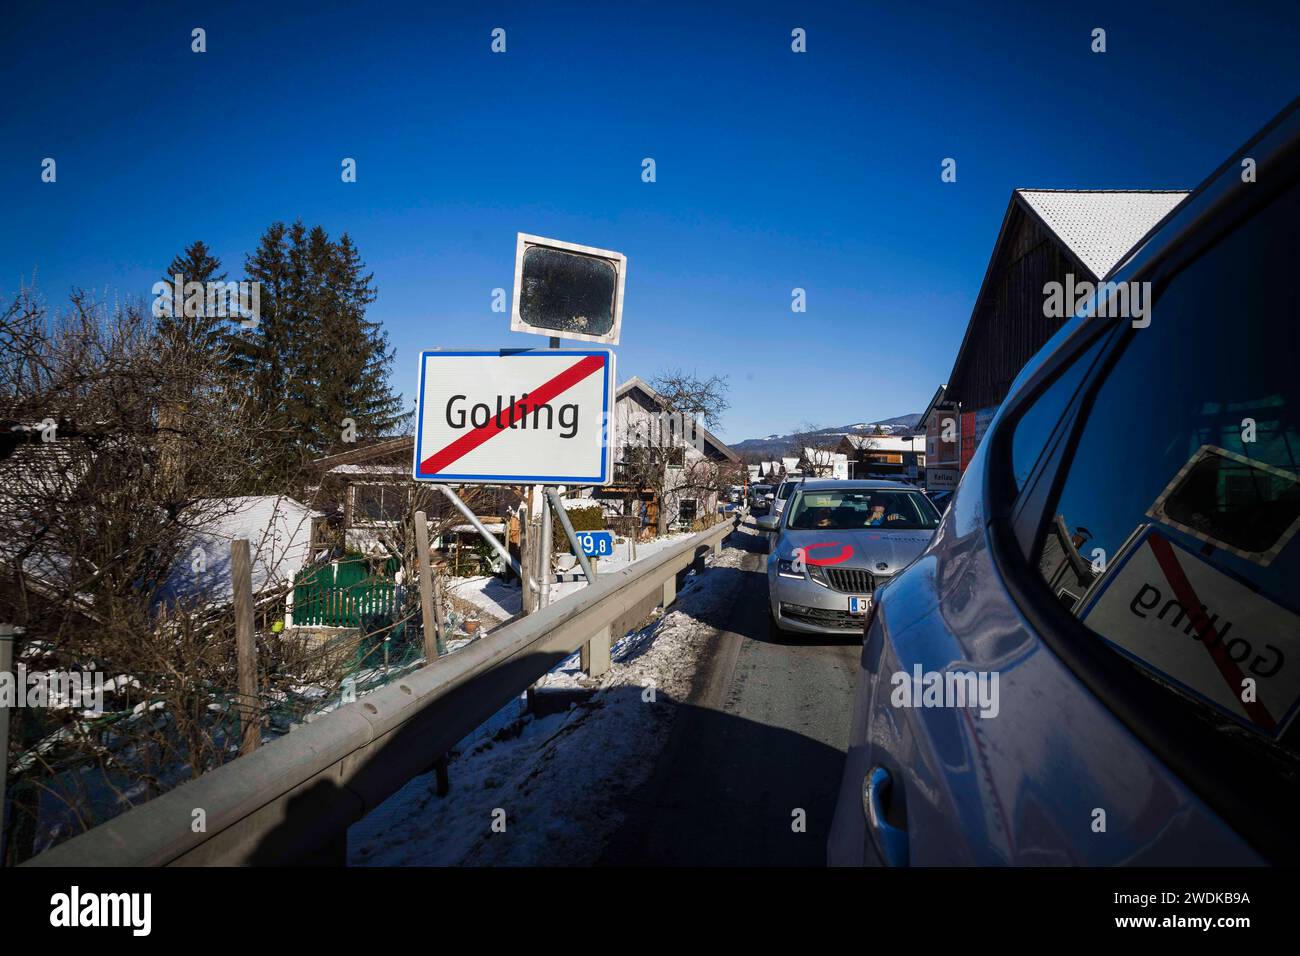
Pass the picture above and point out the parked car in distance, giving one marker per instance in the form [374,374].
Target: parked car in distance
[760,499]
[835,543]
[1063,676]
[783,492]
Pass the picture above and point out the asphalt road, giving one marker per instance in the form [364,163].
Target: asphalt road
[762,735]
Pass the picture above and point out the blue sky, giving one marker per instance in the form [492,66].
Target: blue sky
[775,170]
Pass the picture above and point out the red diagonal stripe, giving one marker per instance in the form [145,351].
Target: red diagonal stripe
[466,443]
[1186,595]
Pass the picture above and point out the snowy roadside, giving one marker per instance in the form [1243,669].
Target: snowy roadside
[502,601]
[556,783]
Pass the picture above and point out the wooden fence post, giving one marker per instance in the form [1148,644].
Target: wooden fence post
[429,609]
[241,576]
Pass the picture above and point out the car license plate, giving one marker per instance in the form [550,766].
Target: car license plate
[859,605]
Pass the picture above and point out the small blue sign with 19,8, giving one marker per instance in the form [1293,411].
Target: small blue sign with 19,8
[596,544]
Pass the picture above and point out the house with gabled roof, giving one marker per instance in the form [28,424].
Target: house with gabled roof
[666,468]
[1047,236]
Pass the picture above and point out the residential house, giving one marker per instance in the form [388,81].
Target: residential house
[884,456]
[666,470]
[366,496]
[822,463]
[940,422]
[1066,236]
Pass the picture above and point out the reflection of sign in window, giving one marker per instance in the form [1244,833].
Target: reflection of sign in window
[1245,507]
[1185,620]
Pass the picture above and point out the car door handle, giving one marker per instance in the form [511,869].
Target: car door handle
[890,841]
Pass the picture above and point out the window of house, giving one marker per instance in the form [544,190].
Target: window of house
[687,511]
[378,504]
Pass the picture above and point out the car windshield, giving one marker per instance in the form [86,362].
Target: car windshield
[785,490]
[862,508]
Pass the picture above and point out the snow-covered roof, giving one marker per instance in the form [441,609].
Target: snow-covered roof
[887,442]
[823,456]
[278,531]
[1100,226]
[369,470]
[494,527]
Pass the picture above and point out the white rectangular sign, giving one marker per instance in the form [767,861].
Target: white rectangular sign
[941,479]
[515,416]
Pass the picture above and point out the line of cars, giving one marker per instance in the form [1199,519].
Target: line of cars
[1122,602]
[833,542]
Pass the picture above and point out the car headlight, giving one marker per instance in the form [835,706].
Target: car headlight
[786,569]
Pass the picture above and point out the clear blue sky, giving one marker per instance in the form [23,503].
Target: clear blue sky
[775,170]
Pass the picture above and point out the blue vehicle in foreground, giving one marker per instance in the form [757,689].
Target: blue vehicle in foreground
[1096,660]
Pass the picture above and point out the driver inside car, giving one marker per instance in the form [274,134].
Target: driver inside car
[878,516]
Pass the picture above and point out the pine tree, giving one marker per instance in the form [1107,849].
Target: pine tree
[315,359]
[376,408]
[209,332]
[262,353]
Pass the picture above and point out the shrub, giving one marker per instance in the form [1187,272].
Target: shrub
[591,518]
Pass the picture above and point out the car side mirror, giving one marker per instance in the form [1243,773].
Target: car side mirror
[766,522]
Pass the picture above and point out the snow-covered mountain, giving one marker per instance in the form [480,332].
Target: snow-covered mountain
[777,445]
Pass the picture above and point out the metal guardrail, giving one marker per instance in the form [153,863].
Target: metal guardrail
[291,801]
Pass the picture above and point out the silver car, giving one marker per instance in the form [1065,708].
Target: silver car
[834,544]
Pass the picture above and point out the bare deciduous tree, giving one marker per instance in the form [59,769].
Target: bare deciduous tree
[659,440]
[119,446]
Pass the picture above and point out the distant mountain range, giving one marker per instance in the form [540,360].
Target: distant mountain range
[774,446]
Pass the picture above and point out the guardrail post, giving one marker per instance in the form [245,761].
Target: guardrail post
[595,653]
[670,591]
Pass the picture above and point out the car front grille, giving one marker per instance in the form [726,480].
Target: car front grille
[821,616]
[850,580]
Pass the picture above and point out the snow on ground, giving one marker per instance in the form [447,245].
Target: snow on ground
[558,781]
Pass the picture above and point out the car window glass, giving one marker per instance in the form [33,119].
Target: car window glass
[1174,534]
[1036,425]
[849,510]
